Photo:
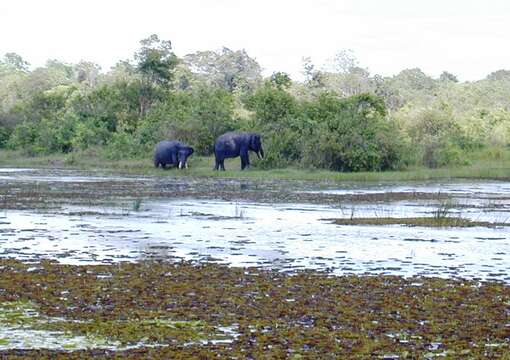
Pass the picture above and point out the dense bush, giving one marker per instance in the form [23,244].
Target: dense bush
[195,117]
[277,115]
[329,132]
[438,139]
[351,134]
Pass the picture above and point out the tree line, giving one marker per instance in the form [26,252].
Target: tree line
[341,117]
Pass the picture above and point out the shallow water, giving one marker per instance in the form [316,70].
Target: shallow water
[477,189]
[282,235]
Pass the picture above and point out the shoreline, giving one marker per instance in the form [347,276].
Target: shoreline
[201,167]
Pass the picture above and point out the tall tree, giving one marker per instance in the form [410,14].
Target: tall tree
[281,80]
[227,69]
[499,75]
[87,72]
[15,61]
[343,62]
[447,77]
[155,63]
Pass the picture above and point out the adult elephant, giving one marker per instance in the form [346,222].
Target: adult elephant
[172,152]
[234,144]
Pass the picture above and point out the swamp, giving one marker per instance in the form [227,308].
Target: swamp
[114,265]
[372,220]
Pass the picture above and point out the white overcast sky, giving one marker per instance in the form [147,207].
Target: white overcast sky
[469,38]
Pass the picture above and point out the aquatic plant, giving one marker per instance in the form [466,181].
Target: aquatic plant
[304,315]
[137,204]
[443,210]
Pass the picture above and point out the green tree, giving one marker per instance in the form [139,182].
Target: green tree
[446,76]
[226,68]
[155,63]
[16,62]
[271,104]
[281,80]
[499,75]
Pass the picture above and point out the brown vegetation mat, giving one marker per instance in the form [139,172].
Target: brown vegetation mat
[49,195]
[304,315]
[447,221]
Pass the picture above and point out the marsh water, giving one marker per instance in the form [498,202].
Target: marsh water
[89,218]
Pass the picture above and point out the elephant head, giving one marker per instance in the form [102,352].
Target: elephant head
[182,156]
[256,145]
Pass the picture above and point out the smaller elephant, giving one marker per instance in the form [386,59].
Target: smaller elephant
[234,144]
[172,152]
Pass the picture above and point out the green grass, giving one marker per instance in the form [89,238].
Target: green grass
[484,164]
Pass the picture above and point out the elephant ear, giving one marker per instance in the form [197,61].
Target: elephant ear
[254,140]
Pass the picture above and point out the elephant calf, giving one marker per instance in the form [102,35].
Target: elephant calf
[234,144]
[172,152]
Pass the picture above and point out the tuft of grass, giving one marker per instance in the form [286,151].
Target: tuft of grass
[137,204]
[443,211]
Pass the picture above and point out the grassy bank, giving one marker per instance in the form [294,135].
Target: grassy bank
[483,164]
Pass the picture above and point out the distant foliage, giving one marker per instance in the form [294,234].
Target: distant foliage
[341,117]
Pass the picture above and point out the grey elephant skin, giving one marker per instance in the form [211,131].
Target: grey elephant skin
[234,144]
[172,153]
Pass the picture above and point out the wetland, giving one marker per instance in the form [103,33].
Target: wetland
[124,265]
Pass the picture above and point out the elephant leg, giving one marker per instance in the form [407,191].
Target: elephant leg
[222,164]
[216,164]
[245,161]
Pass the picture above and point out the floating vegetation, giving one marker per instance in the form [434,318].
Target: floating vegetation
[22,326]
[434,221]
[185,310]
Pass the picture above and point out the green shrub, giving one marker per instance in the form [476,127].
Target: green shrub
[24,137]
[271,104]
[439,139]
[5,133]
[122,145]
[282,147]
[351,134]
[90,133]
[196,117]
